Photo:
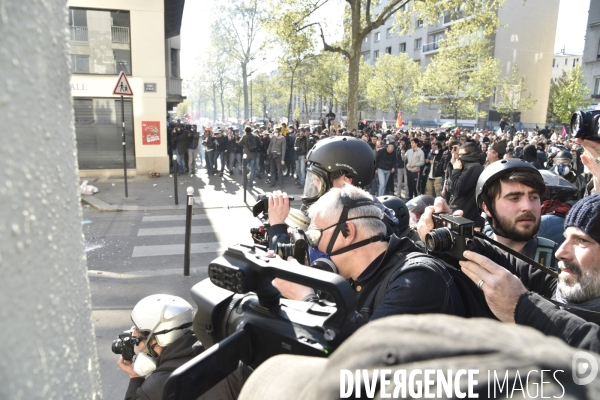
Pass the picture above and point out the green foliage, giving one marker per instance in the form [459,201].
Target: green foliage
[461,75]
[183,108]
[568,94]
[513,95]
[394,84]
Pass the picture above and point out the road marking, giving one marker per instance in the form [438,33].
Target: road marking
[177,249]
[178,230]
[162,218]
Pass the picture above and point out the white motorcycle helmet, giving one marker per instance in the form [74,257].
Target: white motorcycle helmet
[162,317]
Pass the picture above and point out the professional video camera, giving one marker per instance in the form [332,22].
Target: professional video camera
[451,235]
[251,327]
[125,345]
[585,124]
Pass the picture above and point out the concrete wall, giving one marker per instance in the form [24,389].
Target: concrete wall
[591,62]
[148,66]
[529,42]
[47,334]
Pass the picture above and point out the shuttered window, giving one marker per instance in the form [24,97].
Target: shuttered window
[98,132]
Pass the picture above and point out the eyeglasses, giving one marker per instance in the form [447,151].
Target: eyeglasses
[313,235]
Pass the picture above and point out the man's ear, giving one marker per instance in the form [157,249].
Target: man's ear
[486,210]
[349,230]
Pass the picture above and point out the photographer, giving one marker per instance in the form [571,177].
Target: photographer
[163,344]
[347,226]
[301,147]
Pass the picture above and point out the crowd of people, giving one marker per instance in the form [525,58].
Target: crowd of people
[506,182]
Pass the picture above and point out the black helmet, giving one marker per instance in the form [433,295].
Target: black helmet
[557,187]
[564,155]
[418,204]
[400,209]
[333,157]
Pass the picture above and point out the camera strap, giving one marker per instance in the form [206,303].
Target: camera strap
[537,265]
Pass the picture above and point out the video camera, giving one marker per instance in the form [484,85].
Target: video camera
[585,125]
[451,235]
[242,317]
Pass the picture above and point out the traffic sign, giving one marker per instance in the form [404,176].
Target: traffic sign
[123,88]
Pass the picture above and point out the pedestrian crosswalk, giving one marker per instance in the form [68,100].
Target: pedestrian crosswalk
[211,233]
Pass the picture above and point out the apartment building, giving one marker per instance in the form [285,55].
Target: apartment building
[527,40]
[564,62]
[140,38]
[591,51]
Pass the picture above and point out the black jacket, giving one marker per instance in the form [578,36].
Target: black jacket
[385,160]
[301,145]
[173,356]
[464,182]
[221,143]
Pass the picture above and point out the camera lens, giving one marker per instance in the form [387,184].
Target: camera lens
[439,240]
[285,250]
[117,346]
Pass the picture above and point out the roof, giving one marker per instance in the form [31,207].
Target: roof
[173,15]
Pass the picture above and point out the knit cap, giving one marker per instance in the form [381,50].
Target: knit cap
[585,215]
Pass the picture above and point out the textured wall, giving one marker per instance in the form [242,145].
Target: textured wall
[45,311]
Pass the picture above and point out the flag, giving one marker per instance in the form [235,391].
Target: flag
[564,131]
[383,125]
[399,120]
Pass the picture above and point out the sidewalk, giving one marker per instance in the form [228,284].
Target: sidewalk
[158,194]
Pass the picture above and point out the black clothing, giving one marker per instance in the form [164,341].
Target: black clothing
[385,160]
[172,357]
[301,146]
[221,143]
[464,182]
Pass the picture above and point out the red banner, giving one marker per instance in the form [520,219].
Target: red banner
[151,132]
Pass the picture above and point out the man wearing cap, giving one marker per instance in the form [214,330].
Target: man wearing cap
[518,299]
[496,151]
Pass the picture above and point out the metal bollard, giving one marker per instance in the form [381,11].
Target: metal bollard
[175,170]
[188,231]
[245,173]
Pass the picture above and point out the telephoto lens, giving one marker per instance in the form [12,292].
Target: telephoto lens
[439,240]
[585,124]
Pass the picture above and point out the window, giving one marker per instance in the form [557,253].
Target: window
[402,48]
[80,63]
[554,63]
[566,61]
[575,61]
[366,39]
[104,47]
[403,8]
[418,43]
[377,36]
[175,63]
[388,50]
[367,56]
[388,32]
[597,87]
[419,23]
[375,55]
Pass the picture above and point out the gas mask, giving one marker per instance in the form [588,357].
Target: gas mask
[144,363]
[561,169]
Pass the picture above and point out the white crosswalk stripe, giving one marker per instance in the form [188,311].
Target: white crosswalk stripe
[228,227]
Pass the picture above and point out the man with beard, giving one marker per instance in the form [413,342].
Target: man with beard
[518,299]
[510,193]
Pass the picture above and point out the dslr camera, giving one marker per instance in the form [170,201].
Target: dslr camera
[451,235]
[585,124]
[125,345]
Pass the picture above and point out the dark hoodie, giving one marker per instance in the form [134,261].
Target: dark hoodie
[172,357]
[530,155]
[464,182]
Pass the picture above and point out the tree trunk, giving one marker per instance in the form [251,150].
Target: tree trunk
[354,65]
[222,108]
[291,94]
[245,84]
[214,103]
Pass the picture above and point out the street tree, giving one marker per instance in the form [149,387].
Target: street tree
[463,73]
[361,17]
[568,94]
[263,89]
[238,30]
[513,95]
[394,85]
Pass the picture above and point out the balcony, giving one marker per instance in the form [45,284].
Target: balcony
[431,48]
[79,34]
[452,17]
[174,86]
[120,34]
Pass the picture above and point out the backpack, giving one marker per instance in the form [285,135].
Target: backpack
[467,299]
[253,143]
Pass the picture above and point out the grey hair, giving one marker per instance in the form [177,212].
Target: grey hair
[329,208]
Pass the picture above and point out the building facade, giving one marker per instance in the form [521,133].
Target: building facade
[564,62]
[591,51]
[141,39]
[526,40]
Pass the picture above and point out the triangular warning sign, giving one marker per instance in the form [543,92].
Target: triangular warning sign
[123,88]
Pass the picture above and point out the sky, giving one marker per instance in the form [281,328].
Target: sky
[195,30]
